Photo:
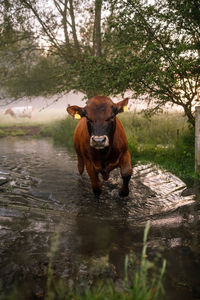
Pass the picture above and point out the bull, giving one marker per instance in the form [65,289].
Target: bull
[100,141]
[20,112]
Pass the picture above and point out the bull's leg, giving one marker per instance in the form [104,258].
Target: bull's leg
[95,182]
[126,172]
[80,164]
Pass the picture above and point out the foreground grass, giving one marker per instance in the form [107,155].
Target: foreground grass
[143,282]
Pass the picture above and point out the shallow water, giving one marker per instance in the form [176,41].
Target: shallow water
[45,202]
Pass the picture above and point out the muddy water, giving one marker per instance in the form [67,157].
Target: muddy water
[44,205]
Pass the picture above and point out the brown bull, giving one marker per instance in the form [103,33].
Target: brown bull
[100,141]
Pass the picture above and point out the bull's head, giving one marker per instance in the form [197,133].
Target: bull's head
[100,113]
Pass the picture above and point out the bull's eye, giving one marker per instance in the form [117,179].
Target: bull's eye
[88,119]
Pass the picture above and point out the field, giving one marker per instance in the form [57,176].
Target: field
[26,126]
[164,139]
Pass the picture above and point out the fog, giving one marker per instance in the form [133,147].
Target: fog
[51,108]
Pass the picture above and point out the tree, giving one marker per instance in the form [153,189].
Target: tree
[77,52]
[156,50]
[68,46]
[109,47]
[18,48]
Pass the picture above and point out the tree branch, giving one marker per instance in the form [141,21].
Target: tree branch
[44,26]
[71,11]
[97,29]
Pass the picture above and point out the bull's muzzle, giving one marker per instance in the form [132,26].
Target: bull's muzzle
[99,141]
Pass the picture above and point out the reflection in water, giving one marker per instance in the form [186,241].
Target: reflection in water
[44,195]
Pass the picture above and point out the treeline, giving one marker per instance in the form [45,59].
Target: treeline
[102,47]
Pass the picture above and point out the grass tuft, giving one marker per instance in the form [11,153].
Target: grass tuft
[144,282]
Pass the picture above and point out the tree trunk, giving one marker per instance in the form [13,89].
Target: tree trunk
[97,29]
[71,11]
[62,9]
[64,21]
[191,118]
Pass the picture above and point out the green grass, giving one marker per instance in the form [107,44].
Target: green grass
[2,133]
[165,140]
[62,131]
[160,129]
[14,132]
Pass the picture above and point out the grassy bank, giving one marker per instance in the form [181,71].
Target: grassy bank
[165,139]
[62,132]
[10,126]
[20,130]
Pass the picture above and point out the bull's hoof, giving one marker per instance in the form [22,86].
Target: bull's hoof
[97,192]
[123,193]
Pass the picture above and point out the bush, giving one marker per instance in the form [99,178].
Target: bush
[161,129]
[62,132]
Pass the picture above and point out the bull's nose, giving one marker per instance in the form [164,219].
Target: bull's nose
[99,139]
[99,142]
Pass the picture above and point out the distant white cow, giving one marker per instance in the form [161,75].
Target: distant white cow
[20,111]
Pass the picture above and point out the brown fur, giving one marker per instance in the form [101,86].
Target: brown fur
[10,112]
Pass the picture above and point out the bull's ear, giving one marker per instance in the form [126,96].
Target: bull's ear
[121,106]
[76,111]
